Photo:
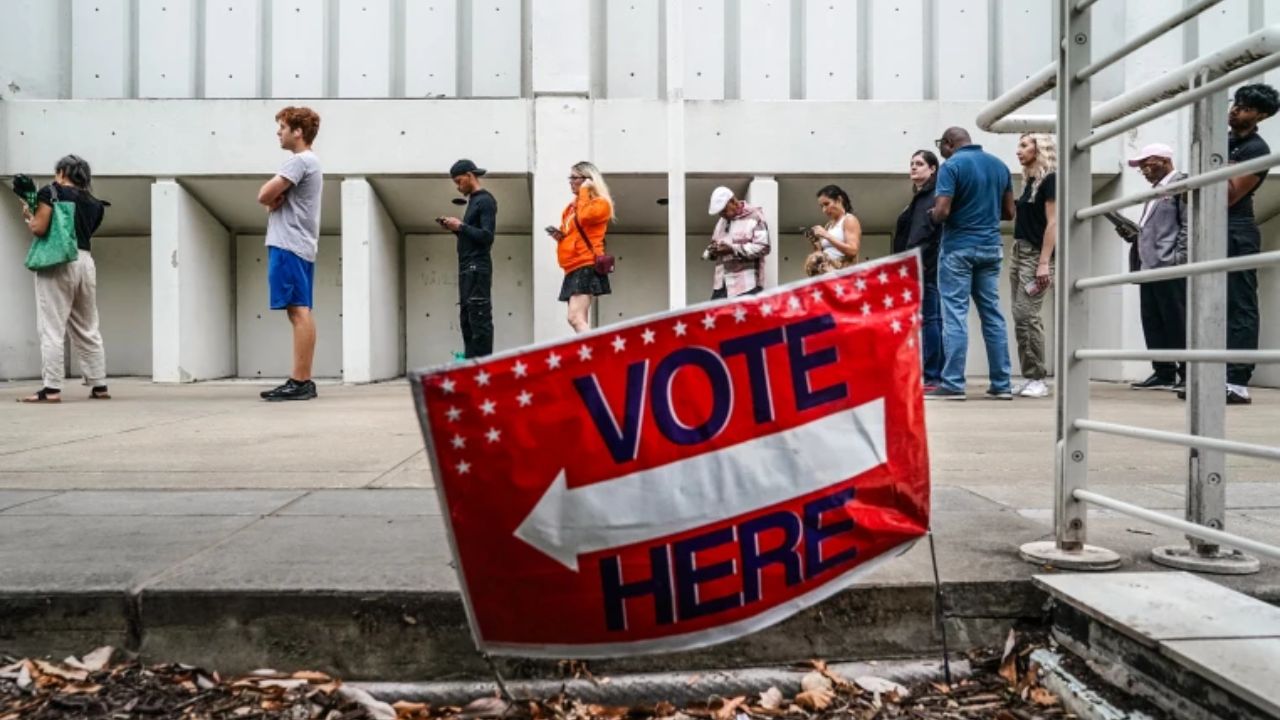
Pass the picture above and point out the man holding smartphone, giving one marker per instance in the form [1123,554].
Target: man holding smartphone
[475,266]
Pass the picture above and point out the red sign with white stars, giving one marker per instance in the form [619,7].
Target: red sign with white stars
[687,478]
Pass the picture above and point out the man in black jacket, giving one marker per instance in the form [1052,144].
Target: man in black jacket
[475,266]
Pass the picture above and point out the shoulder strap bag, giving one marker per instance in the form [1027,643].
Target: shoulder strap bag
[604,262]
[58,246]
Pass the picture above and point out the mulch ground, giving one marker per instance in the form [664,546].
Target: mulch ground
[1004,685]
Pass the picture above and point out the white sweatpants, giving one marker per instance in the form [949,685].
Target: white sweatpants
[67,302]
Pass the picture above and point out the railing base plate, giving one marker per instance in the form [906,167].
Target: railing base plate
[1223,562]
[1089,558]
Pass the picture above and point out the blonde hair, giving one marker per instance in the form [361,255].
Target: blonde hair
[599,186]
[1046,160]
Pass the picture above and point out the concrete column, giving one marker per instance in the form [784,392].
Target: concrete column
[19,343]
[763,193]
[372,291]
[558,66]
[677,270]
[562,136]
[192,289]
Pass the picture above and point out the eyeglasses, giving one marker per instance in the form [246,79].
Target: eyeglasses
[577,177]
[938,143]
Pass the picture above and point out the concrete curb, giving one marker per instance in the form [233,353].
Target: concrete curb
[649,688]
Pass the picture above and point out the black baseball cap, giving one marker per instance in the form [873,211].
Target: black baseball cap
[462,167]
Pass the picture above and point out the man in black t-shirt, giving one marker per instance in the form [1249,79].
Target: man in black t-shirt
[475,266]
[1252,105]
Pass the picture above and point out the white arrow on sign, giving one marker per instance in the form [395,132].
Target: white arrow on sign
[701,490]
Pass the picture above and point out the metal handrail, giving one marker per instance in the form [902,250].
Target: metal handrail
[1258,357]
[1203,82]
[1226,172]
[1175,272]
[1201,531]
[1234,447]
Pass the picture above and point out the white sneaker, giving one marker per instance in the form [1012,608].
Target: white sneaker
[1035,389]
[1017,389]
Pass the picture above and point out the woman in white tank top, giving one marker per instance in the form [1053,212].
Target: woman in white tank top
[836,244]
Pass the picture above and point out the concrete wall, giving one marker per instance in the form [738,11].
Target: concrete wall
[124,303]
[431,296]
[19,344]
[264,338]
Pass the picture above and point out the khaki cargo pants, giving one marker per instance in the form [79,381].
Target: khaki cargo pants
[1028,328]
[67,303]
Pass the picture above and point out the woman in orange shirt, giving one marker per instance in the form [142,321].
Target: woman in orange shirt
[579,239]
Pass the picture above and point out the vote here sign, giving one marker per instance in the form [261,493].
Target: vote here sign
[686,478]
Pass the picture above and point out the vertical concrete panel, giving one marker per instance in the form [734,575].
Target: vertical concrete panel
[371,292]
[632,49]
[962,59]
[1269,297]
[560,44]
[897,32]
[640,285]
[101,31]
[562,131]
[264,338]
[1222,25]
[166,319]
[167,48]
[1026,39]
[763,193]
[206,293]
[124,304]
[299,60]
[364,49]
[430,48]
[704,49]
[432,331]
[496,28]
[1270,16]
[31,51]
[232,57]
[1109,34]
[764,49]
[830,50]
[699,273]
[19,343]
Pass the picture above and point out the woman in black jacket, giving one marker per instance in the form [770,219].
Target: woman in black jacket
[915,229]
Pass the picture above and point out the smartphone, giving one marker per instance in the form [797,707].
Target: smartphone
[440,219]
[552,230]
[1033,288]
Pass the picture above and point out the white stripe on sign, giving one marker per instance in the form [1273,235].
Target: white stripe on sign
[707,488]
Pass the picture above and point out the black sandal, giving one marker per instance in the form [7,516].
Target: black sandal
[99,393]
[43,396]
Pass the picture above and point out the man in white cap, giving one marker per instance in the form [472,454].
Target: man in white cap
[1162,242]
[738,245]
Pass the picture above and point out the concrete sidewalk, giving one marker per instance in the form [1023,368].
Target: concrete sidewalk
[198,523]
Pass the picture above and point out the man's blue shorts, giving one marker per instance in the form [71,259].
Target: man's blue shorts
[289,279]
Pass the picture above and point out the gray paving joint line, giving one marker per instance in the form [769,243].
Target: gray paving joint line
[393,468]
[15,506]
[125,431]
[276,512]
[134,593]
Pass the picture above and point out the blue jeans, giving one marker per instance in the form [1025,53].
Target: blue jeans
[972,271]
[931,309]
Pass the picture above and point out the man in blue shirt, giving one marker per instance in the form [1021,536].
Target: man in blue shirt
[974,193]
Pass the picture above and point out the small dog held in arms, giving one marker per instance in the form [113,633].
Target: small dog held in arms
[818,262]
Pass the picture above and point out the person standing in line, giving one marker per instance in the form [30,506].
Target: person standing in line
[973,194]
[1252,104]
[738,246]
[1031,267]
[475,265]
[292,199]
[67,294]
[1162,242]
[916,229]
[580,240]
[835,244]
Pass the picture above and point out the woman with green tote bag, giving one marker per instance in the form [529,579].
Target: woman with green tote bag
[63,221]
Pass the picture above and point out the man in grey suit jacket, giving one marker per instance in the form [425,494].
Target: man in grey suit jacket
[1162,242]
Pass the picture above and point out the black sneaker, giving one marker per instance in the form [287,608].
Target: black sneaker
[994,394]
[292,390]
[1179,386]
[1235,398]
[1155,382]
[941,393]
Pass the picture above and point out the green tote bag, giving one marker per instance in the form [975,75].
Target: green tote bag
[58,246]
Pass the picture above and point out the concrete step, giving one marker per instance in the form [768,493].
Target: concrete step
[1189,645]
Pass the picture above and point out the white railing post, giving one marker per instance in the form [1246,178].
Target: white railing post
[1069,550]
[1207,329]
